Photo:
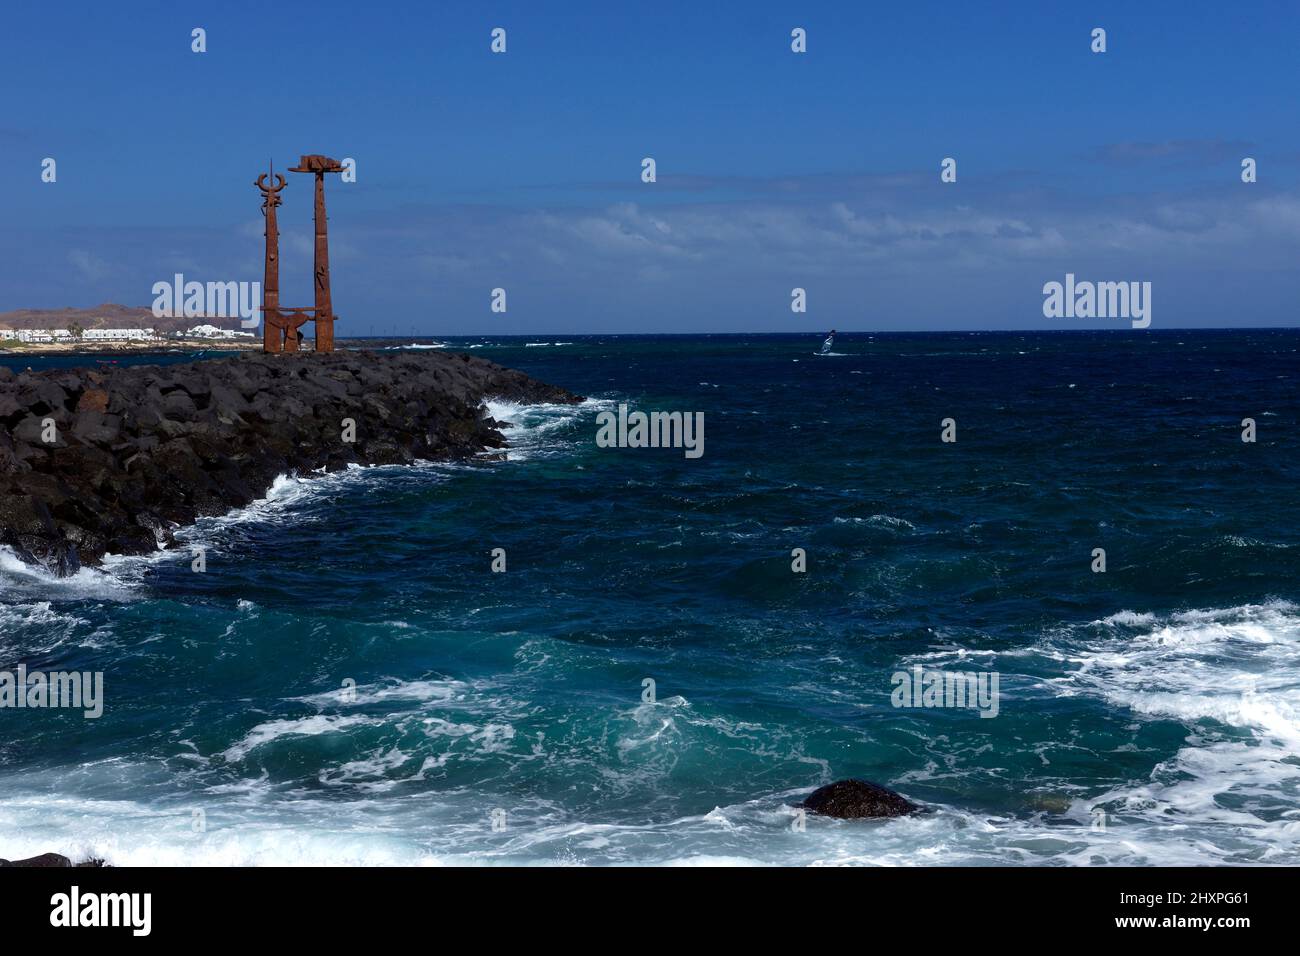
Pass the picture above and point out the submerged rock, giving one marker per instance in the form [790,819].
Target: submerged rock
[96,462]
[852,799]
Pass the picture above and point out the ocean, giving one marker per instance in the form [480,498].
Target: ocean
[349,681]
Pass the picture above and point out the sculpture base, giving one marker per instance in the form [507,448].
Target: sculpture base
[325,333]
[282,330]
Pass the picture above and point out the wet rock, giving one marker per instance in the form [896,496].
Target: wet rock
[28,528]
[140,450]
[853,799]
[51,860]
[44,860]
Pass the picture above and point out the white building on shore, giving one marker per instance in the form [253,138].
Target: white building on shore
[38,335]
[118,335]
[212,332]
[89,335]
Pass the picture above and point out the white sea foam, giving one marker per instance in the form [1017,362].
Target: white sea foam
[28,629]
[1238,665]
[879,521]
[532,430]
[289,499]
[245,834]
[272,730]
[420,690]
[371,774]
[21,581]
[453,828]
[1177,816]
[1232,675]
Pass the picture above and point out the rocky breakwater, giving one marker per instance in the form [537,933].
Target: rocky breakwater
[111,462]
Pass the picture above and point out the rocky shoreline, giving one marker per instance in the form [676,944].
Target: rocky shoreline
[112,461]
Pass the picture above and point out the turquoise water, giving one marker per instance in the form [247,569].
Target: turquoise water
[1158,699]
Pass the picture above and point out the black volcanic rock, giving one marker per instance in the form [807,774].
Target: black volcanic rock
[852,799]
[141,450]
[46,860]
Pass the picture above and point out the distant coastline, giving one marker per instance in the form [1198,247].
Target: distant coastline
[16,349]
[76,332]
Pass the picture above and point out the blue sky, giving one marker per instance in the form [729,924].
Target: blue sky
[775,170]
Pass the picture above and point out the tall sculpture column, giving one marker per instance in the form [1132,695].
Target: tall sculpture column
[320,165]
[272,329]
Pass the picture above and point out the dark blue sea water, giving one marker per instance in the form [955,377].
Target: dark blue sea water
[1147,714]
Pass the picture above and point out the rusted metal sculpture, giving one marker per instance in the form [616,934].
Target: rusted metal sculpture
[320,165]
[281,324]
[272,331]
